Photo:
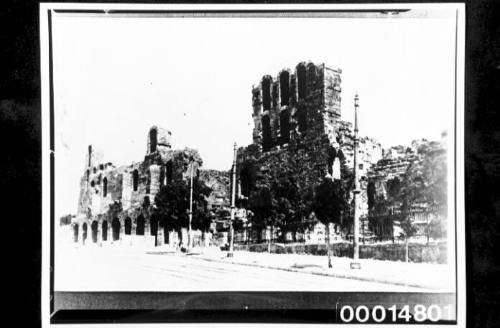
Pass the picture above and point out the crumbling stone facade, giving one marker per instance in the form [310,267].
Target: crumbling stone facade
[388,175]
[298,118]
[298,115]
[116,203]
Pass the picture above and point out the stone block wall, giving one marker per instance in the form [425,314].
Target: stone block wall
[297,117]
[115,203]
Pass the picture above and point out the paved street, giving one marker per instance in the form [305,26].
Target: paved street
[115,269]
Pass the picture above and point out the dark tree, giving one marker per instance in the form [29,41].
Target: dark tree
[331,200]
[172,205]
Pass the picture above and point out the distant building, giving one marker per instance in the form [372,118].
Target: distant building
[116,203]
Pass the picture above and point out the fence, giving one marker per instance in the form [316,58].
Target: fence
[435,252]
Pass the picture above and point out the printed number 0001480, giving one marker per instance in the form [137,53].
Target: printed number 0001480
[381,313]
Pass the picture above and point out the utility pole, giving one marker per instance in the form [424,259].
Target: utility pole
[233,207]
[356,182]
[190,238]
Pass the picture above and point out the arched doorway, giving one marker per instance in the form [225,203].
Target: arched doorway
[135,179]
[128,226]
[84,232]
[153,224]
[166,233]
[104,230]
[140,225]
[93,226]
[153,140]
[75,232]
[115,225]
[285,88]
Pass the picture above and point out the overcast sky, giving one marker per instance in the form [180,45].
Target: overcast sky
[116,77]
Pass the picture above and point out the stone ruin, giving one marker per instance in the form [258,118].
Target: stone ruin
[116,203]
[298,115]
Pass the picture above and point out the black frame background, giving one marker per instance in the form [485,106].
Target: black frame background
[20,180]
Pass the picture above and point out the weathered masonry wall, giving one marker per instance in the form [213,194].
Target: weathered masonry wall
[287,106]
[297,117]
[117,202]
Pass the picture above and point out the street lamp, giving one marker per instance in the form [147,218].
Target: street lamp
[233,192]
[190,238]
[356,182]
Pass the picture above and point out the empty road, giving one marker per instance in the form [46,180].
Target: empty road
[101,269]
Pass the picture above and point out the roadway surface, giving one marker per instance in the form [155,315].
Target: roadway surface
[101,269]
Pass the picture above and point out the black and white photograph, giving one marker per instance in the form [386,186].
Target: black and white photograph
[254,150]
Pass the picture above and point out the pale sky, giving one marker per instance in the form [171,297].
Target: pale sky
[116,77]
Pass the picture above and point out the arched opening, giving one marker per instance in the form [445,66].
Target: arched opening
[266,133]
[84,232]
[285,126]
[139,230]
[266,93]
[332,154]
[128,226]
[88,175]
[285,88]
[135,179]
[104,230]
[93,226]
[115,225]
[153,223]
[92,183]
[153,140]
[146,202]
[301,81]
[75,232]
[311,73]
[169,172]
[105,187]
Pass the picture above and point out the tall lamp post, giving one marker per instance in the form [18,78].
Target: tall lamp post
[190,238]
[233,207]
[356,182]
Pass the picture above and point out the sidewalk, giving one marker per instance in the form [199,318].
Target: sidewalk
[433,277]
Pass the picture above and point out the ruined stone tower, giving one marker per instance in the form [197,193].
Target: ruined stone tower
[286,107]
[297,119]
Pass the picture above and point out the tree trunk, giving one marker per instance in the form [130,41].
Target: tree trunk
[270,239]
[167,233]
[179,234]
[327,239]
[406,249]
